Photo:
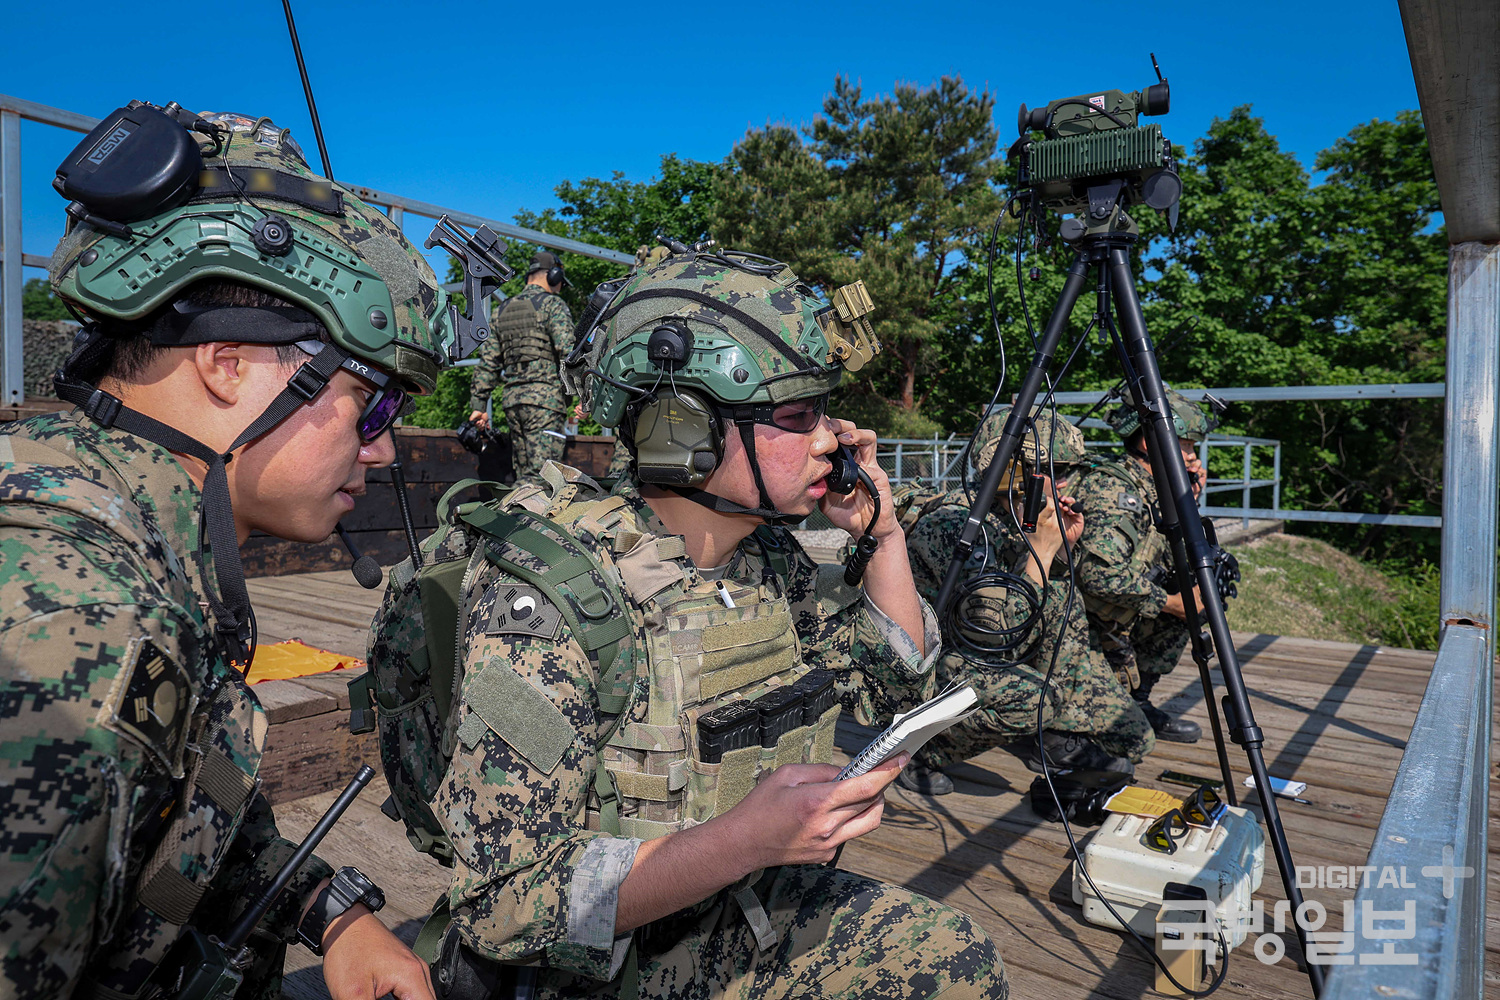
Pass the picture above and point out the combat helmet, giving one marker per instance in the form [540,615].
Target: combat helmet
[702,336]
[1049,440]
[247,209]
[1190,420]
[163,199]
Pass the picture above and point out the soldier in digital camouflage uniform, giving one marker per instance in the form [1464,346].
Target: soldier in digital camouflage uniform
[128,785]
[1125,564]
[1089,719]
[530,337]
[607,854]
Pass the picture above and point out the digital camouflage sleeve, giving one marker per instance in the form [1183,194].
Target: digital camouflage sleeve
[105,680]
[1119,539]
[530,881]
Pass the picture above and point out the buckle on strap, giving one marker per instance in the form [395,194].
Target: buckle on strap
[307,382]
[102,408]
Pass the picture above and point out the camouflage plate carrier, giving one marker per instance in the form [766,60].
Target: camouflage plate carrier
[728,695]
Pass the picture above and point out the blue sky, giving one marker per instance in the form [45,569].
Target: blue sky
[486,109]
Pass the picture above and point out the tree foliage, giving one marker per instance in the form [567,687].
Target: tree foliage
[38,302]
[892,190]
[617,214]
[1274,276]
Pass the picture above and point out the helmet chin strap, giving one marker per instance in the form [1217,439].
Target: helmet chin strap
[233,616]
[766,511]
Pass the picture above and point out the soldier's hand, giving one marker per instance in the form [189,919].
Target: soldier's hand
[363,960]
[480,419]
[1177,608]
[1195,473]
[798,814]
[1072,521]
[853,510]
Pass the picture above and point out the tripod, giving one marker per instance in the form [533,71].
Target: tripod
[1105,246]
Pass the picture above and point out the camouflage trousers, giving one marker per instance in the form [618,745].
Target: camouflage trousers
[529,422]
[1159,643]
[1083,697]
[838,936]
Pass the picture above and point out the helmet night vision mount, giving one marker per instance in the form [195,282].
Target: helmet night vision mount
[1097,159]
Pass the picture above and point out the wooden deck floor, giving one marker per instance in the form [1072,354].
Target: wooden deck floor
[1335,715]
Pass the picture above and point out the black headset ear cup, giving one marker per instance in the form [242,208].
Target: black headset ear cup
[555,275]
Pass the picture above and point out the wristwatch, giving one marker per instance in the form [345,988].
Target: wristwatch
[349,886]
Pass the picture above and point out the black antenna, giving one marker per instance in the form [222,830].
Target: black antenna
[312,106]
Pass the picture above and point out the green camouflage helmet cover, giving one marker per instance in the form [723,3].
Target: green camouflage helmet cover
[1061,441]
[349,266]
[1190,420]
[760,335]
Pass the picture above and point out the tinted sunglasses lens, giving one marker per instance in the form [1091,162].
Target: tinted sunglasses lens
[381,412]
[799,416]
[1204,807]
[1162,834]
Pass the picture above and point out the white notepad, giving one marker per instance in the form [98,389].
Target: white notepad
[911,731]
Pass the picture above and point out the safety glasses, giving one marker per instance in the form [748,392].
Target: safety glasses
[1203,808]
[388,402]
[800,416]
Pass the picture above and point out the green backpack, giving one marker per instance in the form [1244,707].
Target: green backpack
[416,650]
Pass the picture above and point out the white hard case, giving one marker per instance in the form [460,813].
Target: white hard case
[1228,862]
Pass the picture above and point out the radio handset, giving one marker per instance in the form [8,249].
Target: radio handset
[842,479]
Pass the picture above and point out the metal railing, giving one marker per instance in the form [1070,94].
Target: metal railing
[13,259]
[1246,483]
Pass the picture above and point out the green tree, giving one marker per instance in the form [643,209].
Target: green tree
[893,190]
[38,302]
[617,214]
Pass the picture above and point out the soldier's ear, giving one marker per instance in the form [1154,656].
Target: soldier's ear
[223,369]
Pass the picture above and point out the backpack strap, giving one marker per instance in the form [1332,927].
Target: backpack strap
[548,557]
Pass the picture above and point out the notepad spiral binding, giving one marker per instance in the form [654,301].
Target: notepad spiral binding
[870,755]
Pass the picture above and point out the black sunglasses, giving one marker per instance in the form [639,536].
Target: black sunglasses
[388,402]
[800,416]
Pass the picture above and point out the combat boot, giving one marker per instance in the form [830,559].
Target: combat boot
[1067,751]
[920,776]
[1167,728]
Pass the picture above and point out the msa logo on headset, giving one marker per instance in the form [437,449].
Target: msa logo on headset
[109,144]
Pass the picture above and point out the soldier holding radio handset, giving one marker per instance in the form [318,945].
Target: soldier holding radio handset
[653,818]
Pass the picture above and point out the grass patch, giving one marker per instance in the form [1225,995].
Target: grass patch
[1305,587]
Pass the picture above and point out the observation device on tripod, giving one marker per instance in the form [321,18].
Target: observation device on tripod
[1094,163]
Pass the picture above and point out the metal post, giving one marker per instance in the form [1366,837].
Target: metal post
[1276,477]
[1469,459]
[898,461]
[1203,461]
[12,374]
[1245,493]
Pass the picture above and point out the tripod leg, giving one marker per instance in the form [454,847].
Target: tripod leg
[1010,436]
[1172,528]
[1168,467]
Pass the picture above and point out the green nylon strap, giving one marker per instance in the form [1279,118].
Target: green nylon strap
[440,585]
[362,704]
[430,938]
[595,615]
